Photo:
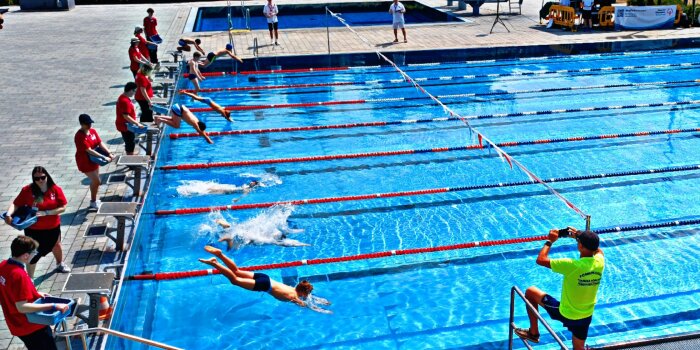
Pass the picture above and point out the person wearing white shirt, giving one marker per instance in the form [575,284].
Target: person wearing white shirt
[397,10]
[270,11]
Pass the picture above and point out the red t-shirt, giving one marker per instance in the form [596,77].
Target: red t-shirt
[143,81]
[15,286]
[83,142]
[149,26]
[124,106]
[134,55]
[143,47]
[53,198]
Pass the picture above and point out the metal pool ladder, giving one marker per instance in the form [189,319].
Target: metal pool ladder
[83,332]
[511,325]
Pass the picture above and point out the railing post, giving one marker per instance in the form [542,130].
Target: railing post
[512,318]
[588,222]
[328,33]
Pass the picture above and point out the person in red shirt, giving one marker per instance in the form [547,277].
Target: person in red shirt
[86,142]
[136,57]
[144,94]
[50,201]
[143,43]
[127,114]
[149,25]
[17,294]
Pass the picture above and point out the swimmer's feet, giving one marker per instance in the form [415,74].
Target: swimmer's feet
[229,242]
[223,223]
[210,261]
[396,40]
[213,250]
[524,333]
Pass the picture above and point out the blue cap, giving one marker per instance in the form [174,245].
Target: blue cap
[229,47]
[176,109]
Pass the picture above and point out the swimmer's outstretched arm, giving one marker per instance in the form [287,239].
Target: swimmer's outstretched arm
[319,309]
[223,223]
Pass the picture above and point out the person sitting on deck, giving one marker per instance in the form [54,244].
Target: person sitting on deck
[260,282]
[180,113]
[184,44]
[215,106]
[211,57]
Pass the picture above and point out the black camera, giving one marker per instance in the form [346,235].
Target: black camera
[564,232]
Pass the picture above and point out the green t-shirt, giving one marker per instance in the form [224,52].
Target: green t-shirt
[580,287]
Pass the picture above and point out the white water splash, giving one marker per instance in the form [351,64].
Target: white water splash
[198,187]
[268,227]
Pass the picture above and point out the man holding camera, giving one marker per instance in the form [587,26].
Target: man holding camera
[579,288]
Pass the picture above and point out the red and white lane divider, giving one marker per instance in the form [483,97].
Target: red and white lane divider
[672,106]
[361,197]
[389,253]
[193,166]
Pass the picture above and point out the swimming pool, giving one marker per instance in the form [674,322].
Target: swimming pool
[293,16]
[447,299]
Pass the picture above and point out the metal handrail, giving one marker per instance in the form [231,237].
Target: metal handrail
[82,332]
[255,47]
[247,18]
[511,326]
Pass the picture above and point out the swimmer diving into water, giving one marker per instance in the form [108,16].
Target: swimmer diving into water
[215,106]
[260,282]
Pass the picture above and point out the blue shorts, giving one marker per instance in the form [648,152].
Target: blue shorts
[579,328]
[191,76]
[181,42]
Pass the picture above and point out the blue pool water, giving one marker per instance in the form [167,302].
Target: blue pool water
[453,299]
[295,16]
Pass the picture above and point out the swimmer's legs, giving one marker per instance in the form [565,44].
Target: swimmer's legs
[195,82]
[247,283]
[174,121]
[229,242]
[229,263]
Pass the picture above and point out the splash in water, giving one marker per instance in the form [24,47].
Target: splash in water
[268,227]
[199,187]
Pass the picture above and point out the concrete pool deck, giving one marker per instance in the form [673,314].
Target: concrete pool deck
[59,64]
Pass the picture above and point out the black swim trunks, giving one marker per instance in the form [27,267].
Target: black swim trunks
[262,282]
[579,328]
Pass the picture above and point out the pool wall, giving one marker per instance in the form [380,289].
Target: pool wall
[297,16]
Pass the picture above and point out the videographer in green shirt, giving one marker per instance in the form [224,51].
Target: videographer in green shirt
[579,288]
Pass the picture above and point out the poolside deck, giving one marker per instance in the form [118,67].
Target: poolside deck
[59,64]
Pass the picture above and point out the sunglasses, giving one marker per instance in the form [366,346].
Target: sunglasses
[37,178]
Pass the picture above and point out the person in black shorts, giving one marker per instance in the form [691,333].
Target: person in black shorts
[270,11]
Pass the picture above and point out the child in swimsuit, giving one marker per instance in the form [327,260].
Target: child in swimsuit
[211,57]
[261,282]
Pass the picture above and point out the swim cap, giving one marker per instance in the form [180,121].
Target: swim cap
[229,47]
[176,109]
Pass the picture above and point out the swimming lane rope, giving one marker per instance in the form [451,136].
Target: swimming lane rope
[490,93]
[360,197]
[585,71]
[673,106]
[441,65]
[385,254]
[664,84]
[417,151]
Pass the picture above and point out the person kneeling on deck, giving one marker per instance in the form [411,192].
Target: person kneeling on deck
[180,113]
[17,296]
[212,56]
[579,288]
[215,106]
[260,282]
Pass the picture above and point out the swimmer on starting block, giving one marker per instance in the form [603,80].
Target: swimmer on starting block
[184,45]
[194,75]
[178,114]
[260,282]
[226,114]
[211,57]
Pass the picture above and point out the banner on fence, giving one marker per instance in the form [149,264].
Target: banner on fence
[644,17]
